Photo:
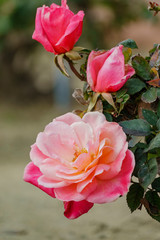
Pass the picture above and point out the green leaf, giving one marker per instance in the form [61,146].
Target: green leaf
[120,93]
[141,145]
[150,116]
[148,172]
[153,206]
[134,196]
[108,116]
[122,102]
[127,52]
[140,158]
[150,95]
[126,97]
[153,198]
[158,109]
[136,127]
[154,143]
[141,67]
[156,184]
[158,124]
[134,85]
[129,43]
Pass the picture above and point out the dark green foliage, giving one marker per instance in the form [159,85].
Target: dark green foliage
[108,116]
[158,109]
[150,95]
[156,184]
[152,204]
[150,116]
[158,124]
[154,143]
[136,127]
[141,67]
[134,85]
[134,196]
[129,43]
[147,172]
[127,52]
[140,158]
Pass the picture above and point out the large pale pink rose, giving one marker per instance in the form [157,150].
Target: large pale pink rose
[107,71]
[57,28]
[81,162]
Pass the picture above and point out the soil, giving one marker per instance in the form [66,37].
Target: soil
[26,213]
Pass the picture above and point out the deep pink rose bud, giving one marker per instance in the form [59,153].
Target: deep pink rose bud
[57,28]
[107,71]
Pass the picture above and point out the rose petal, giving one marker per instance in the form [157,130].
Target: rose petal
[36,155]
[95,62]
[64,3]
[115,133]
[32,174]
[68,193]
[84,134]
[112,70]
[129,72]
[87,186]
[50,167]
[76,209]
[48,183]
[39,33]
[114,164]
[64,131]
[72,33]
[58,139]
[108,191]
[68,118]
[95,120]
[51,19]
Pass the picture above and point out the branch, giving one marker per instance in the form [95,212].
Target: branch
[74,70]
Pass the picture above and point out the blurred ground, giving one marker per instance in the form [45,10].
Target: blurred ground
[26,213]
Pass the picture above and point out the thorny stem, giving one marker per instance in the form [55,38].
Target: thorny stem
[74,70]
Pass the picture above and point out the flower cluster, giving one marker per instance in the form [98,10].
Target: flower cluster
[88,157]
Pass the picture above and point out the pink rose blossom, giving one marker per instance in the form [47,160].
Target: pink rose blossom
[57,28]
[107,71]
[81,162]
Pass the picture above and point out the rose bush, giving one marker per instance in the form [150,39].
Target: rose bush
[81,162]
[57,28]
[107,71]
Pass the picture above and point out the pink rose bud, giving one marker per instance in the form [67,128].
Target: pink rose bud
[81,162]
[57,28]
[107,71]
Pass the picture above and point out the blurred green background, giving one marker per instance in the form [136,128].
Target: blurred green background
[32,93]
